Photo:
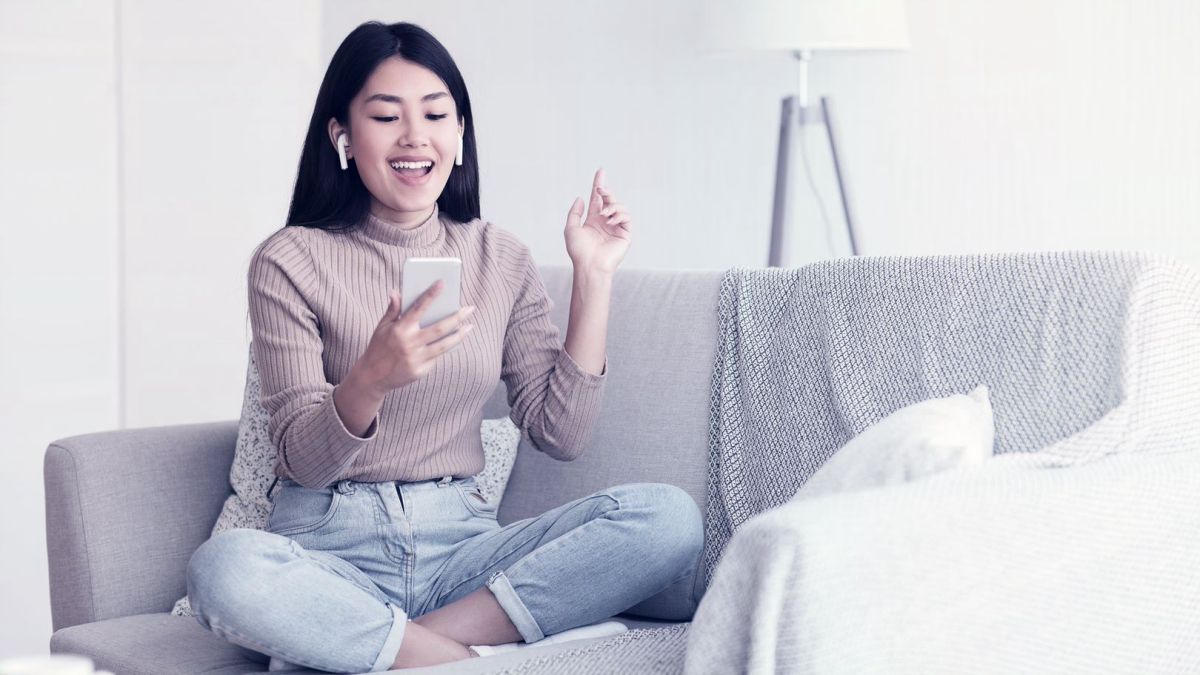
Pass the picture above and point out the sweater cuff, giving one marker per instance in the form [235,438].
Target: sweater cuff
[336,432]
[318,450]
[331,445]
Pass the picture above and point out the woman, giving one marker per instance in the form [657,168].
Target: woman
[380,552]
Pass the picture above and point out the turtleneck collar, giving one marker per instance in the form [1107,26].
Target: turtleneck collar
[429,233]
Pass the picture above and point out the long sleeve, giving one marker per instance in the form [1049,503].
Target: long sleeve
[312,442]
[552,399]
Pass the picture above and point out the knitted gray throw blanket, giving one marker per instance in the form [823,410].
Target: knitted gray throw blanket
[809,357]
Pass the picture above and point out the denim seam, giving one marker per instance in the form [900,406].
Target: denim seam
[382,597]
[410,560]
[516,610]
[490,569]
[560,541]
[515,549]
[382,521]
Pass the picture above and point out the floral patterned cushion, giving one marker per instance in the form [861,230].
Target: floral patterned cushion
[253,468]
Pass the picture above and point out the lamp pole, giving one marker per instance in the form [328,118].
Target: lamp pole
[803,115]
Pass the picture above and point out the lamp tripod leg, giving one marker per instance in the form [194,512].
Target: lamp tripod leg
[837,168]
[779,211]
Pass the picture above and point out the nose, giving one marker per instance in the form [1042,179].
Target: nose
[414,132]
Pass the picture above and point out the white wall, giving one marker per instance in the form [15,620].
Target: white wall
[149,147]
[1008,126]
[1018,125]
[216,100]
[1027,125]
[58,273]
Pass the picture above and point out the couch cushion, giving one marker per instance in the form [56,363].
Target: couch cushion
[918,440]
[155,644]
[152,644]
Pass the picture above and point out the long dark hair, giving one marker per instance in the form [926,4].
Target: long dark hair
[329,198]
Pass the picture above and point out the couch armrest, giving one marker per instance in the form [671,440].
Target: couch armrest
[1000,569]
[124,512]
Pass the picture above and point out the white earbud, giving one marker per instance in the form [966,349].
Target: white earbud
[342,142]
[458,157]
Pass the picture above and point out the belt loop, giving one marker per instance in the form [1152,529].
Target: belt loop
[444,481]
[345,486]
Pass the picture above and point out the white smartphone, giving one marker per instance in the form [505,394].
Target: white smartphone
[421,273]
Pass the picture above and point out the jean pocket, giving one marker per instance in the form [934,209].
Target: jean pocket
[298,509]
[474,499]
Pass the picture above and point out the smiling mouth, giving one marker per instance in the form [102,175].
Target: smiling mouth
[407,169]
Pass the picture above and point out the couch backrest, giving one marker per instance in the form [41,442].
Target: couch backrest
[653,424]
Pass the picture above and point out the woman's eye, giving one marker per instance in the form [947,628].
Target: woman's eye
[389,119]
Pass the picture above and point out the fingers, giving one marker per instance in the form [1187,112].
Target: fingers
[613,211]
[595,202]
[422,302]
[436,331]
[393,307]
[575,215]
[441,347]
[620,220]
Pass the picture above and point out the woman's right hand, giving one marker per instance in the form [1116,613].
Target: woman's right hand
[400,351]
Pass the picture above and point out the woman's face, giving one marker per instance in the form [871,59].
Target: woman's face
[404,112]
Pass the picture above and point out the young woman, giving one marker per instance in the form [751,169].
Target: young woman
[380,552]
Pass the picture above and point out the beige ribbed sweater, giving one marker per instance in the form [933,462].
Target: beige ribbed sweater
[316,298]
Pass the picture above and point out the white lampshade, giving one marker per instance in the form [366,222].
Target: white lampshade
[805,24]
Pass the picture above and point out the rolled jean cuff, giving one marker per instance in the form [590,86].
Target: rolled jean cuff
[502,588]
[391,646]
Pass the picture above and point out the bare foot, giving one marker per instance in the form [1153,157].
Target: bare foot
[424,647]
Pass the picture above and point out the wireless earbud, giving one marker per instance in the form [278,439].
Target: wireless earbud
[342,142]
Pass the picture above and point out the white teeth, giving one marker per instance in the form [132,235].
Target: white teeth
[412,165]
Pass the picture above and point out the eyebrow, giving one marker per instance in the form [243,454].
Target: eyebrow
[388,98]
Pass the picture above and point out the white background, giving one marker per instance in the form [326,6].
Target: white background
[149,146]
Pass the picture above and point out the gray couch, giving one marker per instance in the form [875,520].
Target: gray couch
[126,509]
[1090,568]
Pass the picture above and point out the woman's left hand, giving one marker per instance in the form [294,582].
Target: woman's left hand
[598,242]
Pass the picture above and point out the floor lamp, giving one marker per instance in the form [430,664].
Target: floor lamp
[802,27]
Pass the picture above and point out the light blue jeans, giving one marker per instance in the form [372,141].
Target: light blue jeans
[333,581]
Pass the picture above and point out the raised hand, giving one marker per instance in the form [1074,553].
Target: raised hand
[599,240]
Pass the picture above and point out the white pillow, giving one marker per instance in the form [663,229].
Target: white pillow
[918,440]
[253,469]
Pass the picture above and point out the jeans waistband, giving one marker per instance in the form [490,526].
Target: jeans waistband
[347,486]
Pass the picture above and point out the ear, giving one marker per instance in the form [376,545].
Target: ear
[335,129]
